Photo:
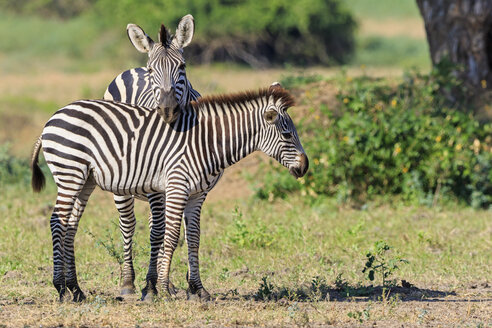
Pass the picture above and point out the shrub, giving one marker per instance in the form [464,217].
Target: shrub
[255,32]
[13,170]
[401,139]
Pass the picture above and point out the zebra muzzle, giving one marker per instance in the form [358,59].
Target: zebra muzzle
[300,170]
[168,114]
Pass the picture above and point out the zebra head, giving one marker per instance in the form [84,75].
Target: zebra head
[166,65]
[280,139]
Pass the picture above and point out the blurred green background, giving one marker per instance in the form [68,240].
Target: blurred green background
[89,35]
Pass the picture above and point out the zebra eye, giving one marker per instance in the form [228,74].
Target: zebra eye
[271,116]
[287,135]
[149,70]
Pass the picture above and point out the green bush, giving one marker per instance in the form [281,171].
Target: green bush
[394,140]
[255,32]
[13,170]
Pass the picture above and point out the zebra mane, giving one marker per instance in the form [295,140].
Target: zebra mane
[240,97]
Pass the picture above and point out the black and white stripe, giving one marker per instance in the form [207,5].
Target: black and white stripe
[145,86]
[129,150]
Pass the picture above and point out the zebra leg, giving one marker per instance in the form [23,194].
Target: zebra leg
[176,199]
[158,205]
[125,205]
[192,221]
[59,221]
[156,228]
[73,223]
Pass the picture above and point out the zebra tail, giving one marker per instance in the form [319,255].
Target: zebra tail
[37,181]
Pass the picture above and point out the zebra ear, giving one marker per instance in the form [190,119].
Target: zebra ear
[184,32]
[141,41]
[276,86]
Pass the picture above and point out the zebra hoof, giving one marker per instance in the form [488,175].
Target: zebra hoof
[78,296]
[148,293]
[127,291]
[204,295]
[172,289]
[200,295]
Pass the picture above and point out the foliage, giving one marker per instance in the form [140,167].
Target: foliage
[48,8]
[402,140]
[243,236]
[380,263]
[258,33]
[13,170]
[114,249]
[265,291]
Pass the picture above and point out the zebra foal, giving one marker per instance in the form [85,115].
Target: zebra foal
[129,150]
[163,86]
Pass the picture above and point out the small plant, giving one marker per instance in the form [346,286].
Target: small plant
[265,291]
[224,274]
[108,243]
[319,288]
[379,262]
[241,235]
[361,316]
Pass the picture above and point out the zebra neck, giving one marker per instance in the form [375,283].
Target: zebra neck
[232,132]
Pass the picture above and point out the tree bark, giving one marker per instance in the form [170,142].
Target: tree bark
[461,30]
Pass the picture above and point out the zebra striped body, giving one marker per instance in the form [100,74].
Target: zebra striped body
[128,150]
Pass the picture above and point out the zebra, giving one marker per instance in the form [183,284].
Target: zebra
[129,150]
[161,85]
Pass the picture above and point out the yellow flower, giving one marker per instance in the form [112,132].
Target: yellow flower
[345,100]
[349,79]
[346,138]
[458,147]
[316,161]
[316,117]
[397,149]
[458,129]
[362,67]
[393,103]
[404,170]
[484,84]
[302,181]
[438,139]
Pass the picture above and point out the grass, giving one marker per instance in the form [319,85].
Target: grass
[383,9]
[280,250]
[400,51]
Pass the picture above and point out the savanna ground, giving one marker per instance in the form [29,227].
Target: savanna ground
[285,262]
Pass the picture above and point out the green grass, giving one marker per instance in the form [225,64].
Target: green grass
[401,52]
[77,45]
[383,9]
[249,248]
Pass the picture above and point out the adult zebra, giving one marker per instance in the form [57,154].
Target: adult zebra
[129,150]
[162,85]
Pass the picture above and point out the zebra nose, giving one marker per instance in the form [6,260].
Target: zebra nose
[168,114]
[303,165]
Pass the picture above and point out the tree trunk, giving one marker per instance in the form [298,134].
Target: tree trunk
[461,30]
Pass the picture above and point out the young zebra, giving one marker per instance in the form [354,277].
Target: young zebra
[129,150]
[162,85]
